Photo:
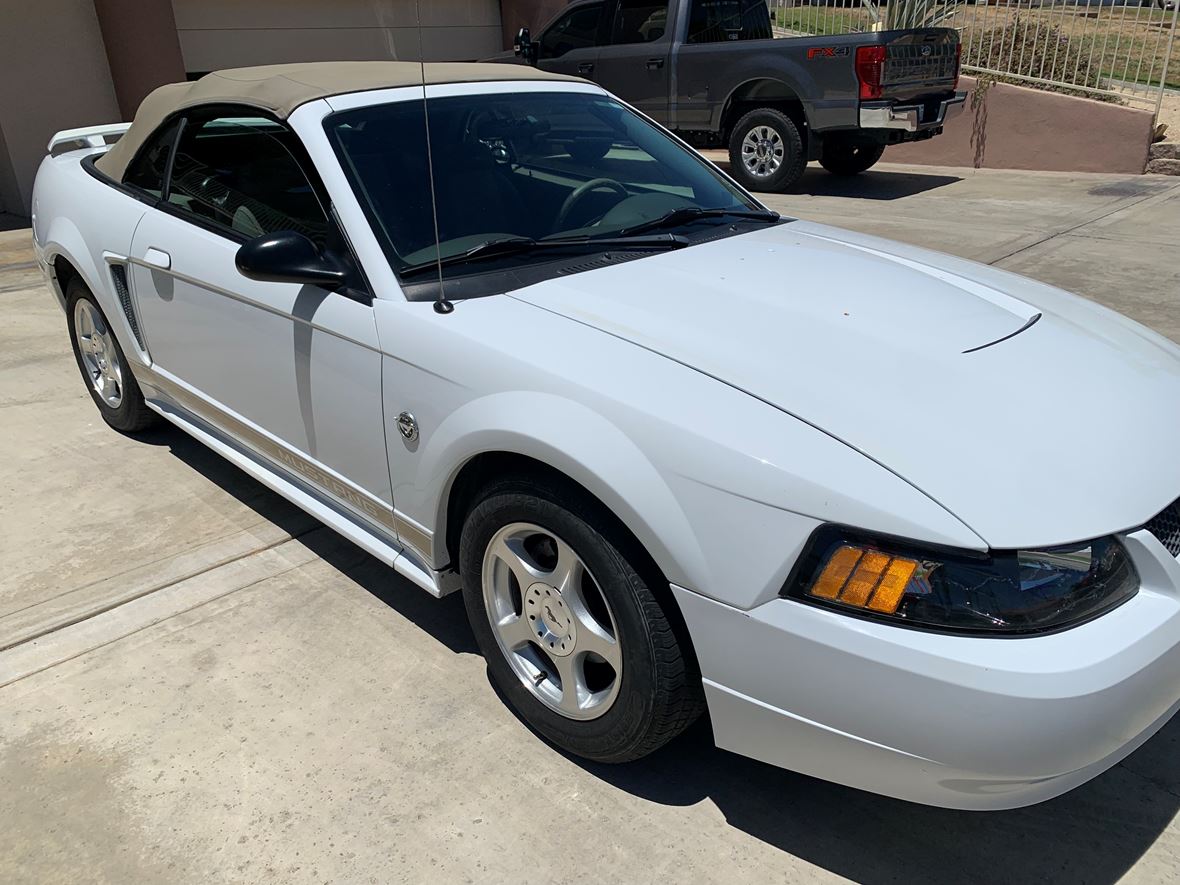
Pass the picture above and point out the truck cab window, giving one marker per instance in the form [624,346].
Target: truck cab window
[577,29]
[639,21]
[716,21]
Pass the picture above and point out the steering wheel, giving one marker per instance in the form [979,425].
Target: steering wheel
[581,192]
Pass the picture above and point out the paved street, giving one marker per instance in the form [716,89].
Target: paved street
[198,683]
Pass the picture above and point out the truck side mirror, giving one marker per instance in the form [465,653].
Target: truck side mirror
[524,46]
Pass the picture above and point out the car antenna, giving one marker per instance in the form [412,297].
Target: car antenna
[441,304]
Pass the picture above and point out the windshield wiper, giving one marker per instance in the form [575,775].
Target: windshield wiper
[692,213]
[524,245]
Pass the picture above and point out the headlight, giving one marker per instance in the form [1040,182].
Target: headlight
[1000,592]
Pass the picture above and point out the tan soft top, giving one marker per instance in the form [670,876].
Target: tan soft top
[280,89]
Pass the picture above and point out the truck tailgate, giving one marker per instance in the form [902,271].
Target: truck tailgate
[920,62]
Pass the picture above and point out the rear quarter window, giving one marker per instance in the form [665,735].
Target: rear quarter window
[150,165]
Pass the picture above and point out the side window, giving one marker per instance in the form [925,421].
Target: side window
[237,172]
[716,21]
[639,21]
[150,165]
[577,29]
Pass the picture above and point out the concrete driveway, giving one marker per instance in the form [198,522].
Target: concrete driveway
[199,684]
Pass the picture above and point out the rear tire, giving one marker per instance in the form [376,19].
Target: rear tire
[766,151]
[848,156]
[616,686]
[104,368]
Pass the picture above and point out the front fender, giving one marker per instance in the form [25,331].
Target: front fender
[720,488]
[580,443]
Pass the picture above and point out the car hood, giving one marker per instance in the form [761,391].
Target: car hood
[1034,416]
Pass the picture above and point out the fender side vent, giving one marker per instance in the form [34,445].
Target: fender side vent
[119,276]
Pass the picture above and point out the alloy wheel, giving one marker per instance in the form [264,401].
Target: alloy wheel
[551,620]
[762,151]
[100,358]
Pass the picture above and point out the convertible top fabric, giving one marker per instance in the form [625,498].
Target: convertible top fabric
[280,89]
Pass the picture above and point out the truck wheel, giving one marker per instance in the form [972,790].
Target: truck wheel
[575,640]
[848,156]
[102,364]
[766,151]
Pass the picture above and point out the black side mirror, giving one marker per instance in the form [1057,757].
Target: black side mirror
[287,256]
[524,46]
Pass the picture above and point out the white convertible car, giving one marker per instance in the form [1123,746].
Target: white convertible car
[895,519]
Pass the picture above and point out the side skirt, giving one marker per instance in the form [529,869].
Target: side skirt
[387,549]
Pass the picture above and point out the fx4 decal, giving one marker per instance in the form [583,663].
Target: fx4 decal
[826,52]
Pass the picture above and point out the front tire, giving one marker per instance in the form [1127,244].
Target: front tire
[103,366]
[847,156]
[766,151]
[574,638]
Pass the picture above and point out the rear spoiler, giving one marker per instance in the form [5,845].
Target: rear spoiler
[88,136]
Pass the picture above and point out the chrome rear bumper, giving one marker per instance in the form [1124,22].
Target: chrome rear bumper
[909,117]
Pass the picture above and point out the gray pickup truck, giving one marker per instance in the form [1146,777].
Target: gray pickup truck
[713,71]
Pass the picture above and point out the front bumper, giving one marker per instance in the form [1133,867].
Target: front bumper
[958,722]
[911,118]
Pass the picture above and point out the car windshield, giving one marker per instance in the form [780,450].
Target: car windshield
[521,171]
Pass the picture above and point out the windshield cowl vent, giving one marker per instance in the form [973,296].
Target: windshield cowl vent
[601,261]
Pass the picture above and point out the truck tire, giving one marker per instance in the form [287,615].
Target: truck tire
[766,151]
[849,156]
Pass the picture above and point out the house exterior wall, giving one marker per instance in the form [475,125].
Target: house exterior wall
[141,47]
[69,63]
[230,33]
[53,75]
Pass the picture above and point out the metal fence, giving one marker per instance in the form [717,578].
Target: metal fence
[1114,50]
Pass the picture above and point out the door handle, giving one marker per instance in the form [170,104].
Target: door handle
[654,64]
[157,258]
[586,67]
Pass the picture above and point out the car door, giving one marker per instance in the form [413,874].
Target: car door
[635,61]
[290,371]
[570,44]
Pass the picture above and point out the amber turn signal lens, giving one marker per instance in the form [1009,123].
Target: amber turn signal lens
[864,579]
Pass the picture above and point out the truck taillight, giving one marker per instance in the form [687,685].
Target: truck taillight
[870,70]
[958,63]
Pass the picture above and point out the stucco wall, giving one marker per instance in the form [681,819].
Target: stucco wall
[1013,127]
[142,48]
[53,76]
[10,203]
[232,33]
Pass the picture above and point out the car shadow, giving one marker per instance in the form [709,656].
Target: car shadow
[1095,833]
[876,184]
[444,619]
